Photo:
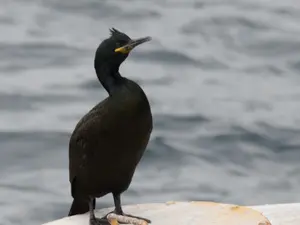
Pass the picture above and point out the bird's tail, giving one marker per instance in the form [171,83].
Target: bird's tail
[80,206]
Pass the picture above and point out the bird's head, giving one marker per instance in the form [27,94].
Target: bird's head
[115,49]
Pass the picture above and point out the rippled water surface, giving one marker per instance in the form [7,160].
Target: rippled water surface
[223,81]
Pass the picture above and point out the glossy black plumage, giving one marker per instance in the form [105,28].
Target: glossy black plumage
[109,141]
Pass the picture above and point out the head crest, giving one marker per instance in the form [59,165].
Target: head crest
[114,32]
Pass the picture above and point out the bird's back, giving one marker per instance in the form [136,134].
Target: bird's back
[109,141]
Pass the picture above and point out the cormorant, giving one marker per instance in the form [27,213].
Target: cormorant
[109,141]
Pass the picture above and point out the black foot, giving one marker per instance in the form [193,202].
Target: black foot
[124,214]
[93,219]
[97,221]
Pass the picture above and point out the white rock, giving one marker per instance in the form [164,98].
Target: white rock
[201,213]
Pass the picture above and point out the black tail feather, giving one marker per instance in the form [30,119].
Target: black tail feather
[80,206]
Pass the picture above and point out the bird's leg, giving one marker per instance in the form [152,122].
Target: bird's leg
[93,219]
[118,208]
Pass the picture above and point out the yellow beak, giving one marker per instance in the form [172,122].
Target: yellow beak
[132,44]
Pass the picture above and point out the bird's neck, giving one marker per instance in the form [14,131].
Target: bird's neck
[109,77]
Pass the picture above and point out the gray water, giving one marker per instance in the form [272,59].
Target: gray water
[223,81]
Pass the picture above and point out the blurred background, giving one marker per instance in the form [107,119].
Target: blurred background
[222,77]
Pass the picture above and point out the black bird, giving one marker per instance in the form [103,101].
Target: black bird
[109,141]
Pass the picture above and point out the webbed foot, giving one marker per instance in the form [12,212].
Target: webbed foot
[98,221]
[125,215]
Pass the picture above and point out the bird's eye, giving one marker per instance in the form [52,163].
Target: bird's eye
[121,43]
[118,44]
